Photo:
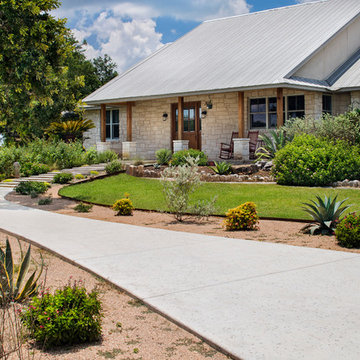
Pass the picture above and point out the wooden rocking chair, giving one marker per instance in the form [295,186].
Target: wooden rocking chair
[227,150]
[253,135]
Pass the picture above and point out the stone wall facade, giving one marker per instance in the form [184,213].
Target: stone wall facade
[151,133]
[355,99]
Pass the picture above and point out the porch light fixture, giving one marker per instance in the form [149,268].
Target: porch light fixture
[209,104]
[203,114]
[165,116]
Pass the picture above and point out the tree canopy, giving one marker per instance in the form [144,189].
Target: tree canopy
[43,70]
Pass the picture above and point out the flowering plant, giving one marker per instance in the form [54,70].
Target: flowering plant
[243,217]
[348,231]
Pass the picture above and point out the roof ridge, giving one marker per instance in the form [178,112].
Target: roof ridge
[267,10]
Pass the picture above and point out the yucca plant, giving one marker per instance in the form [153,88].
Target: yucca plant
[70,130]
[14,287]
[222,168]
[274,141]
[325,214]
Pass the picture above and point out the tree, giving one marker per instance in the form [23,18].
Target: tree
[105,69]
[34,46]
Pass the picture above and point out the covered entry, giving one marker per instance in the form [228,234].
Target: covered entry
[191,129]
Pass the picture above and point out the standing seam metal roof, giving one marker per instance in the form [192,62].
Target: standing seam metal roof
[238,52]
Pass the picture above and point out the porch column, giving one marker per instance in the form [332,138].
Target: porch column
[103,123]
[180,117]
[280,107]
[129,121]
[241,117]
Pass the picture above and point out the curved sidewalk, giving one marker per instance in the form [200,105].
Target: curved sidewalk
[255,300]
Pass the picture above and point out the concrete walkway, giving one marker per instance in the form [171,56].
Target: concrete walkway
[255,300]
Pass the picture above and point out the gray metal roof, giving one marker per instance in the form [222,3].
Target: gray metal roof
[245,51]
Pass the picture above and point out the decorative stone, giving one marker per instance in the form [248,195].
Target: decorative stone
[180,145]
[241,148]
[17,168]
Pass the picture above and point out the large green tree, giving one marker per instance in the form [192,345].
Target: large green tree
[43,70]
[34,46]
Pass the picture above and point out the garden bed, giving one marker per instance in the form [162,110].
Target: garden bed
[130,329]
[283,232]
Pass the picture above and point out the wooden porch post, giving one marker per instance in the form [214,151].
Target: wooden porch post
[103,123]
[129,121]
[280,107]
[180,117]
[241,118]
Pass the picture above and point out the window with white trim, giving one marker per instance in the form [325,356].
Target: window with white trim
[112,125]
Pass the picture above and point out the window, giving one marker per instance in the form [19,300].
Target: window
[263,113]
[112,124]
[327,104]
[189,119]
[295,106]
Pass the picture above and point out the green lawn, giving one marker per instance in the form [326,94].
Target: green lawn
[271,200]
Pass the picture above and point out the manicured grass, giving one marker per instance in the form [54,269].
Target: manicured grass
[271,200]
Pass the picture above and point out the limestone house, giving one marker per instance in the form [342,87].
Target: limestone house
[240,73]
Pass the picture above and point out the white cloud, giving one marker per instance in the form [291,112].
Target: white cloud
[126,41]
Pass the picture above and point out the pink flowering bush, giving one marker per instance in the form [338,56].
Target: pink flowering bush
[348,231]
[243,217]
[69,316]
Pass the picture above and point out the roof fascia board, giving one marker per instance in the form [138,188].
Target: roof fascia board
[296,68]
[206,92]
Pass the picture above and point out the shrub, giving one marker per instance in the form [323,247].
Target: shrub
[94,173]
[138,161]
[178,184]
[107,156]
[342,127]
[311,161]
[180,157]
[222,168]
[124,207]
[348,231]
[45,201]
[69,316]
[243,217]
[163,156]
[114,167]
[14,287]
[79,177]
[62,178]
[83,208]
[32,187]
[28,169]
[325,214]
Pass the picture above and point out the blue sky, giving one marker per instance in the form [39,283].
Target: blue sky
[130,30]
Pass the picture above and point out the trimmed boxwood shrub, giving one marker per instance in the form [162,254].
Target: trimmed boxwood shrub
[67,317]
[62,178]
[114,167]
[179,158]
[32,187]
[348,231]
[312,161]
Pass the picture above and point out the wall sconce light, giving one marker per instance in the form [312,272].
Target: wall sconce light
[209,104]
[203,114]
[165,116]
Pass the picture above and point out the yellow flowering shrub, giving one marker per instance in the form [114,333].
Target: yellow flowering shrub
[124,207]
[243,217]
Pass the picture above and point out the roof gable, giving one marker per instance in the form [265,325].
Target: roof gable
[238,52]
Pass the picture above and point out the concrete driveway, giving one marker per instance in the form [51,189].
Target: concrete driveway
[255,300]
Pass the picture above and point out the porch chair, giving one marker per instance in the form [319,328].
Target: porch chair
[253,136]
[227,150]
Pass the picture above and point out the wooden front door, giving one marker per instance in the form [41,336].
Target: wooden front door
[192,124]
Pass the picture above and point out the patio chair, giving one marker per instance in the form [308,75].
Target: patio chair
[253,135]
[227,150]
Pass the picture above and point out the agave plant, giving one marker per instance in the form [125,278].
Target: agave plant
[222,168]
[13,284]
[325,214]
[273,142]
[70,130]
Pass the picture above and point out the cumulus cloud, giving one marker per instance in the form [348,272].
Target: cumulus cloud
[127,30]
